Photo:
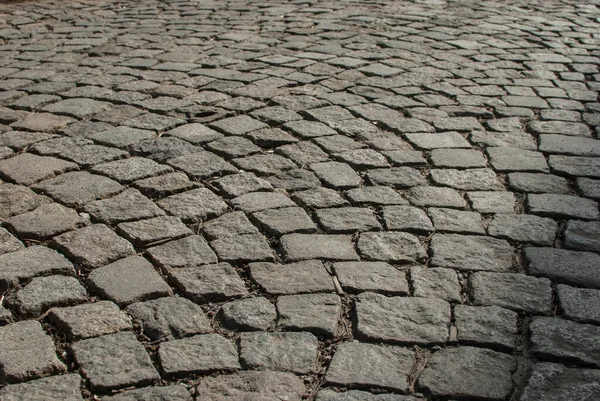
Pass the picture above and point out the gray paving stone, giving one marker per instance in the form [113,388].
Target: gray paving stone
[89,320]
[186,252]
[75,189]
[169,318]
[203,353]
[574,165]
[16,199]
[287,352]
[487,326]
[209,283]
[176,392]
[524,228]
[375,196]
[93,246]
[319,198]
[248,314]
[302,277]
[347,220]
[114,361]
[239,125]
[579,304]
[511,290]
[390,247]
[315,313]
[121,137]
[371,276]
[458,221]
[164,185]
[243,248]
[302,153]
[264,164]
[490,378]
[575,268]
[46,221]
[435,196]
[457,158]
[538,183]
[513,139]
[471,253]
[562,206]
[467,180]
[403,320]
[194,206]
[582,235]
[250,384]
[129,205]
[77,107]
[397,177]
[492,202]
[27,169]
[336,175]
[562,340]
[435,282]
[277,222]
[507,159]
[569,145]
[234,185]
[63,387]
[45,122]
[26,353]
[589,188]
[31,262]
[202,165]
[131,169]
[368,365]
[229,224]
[164,148]
[407,218]
[128,280]
[8,243]
[258,201]
[294,180]
[317,246]
[153,231]
[559,127]
[554,382]
[436,141]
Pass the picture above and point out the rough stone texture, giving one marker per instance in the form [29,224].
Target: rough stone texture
[369,365]
[582,235]
[467,253]
[16,199]
[524,228]
[90,320]
[538,183]
[316,313]
[127,206]
[459,221]
[489,375]
[371,276]
[214,282]
[562,340]
[488,326]
[563,206]
[186,252]
[357,395]
[287,220]
[203,353]
[267,385]
[8,243]
[301,277]
[435,282]
[194,206]
[169,318]
[402,320]
[492,202]
[26,353]
[288,352]
[153,231]
[347,220]
[27,169]
[555,382]
[248,314]
[243,248]
[46,221]
[128,280]
[511,290]
[390,247]
[174,392]
[575,268]
[114,361]
[230,224]
[257,201]
[317,246]
[64,387]
[580,304]
[436,197]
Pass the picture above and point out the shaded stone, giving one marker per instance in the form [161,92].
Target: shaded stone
[90,320]
[538,183]
[512,139]
[288,352]
[319,198]
[563,206]
[77,107]
[94,246]
[248,314]
[63,387]
[317,246]
[575,268]
[490,376]
[459,221]
[8,243]
[467,253]
[511,290]
[554,382]
[27,169]
[524,228]
[401,319]
[78,188]
[16,199]
[169,318]
[390,247]
[371,276]
[375,195]
[209,283]
[488,326]
[46,221]
[436,141]
[294,180]
[357,395]
[128,280]
[127,206]
[263,384]
[573,165]
[368,365]
[164,185]
[195,133]
[202,165]
[562,340]
[114,361]
[407,218]
[186,252]
[26,353]
[435,282]
[175,392]
[582,235]
[580,304]
[397,177]
[315,313]
[199,354]
[301,277]
[264,164]
[121,137]
[257,201]
[194,206]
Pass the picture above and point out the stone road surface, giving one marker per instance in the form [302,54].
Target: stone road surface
[299,200]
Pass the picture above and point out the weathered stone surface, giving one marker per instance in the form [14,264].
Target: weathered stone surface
[27,169]
[229,224]
[467,180]
[397,177]
[489,378]
[202,165]
[114,361]
[554,382]
[243,248]
[131,169]
[267,385]
[319,198]
[371,276]
[164,185]
[128,280]
[524,228]
[316,313]
[248,314]
[573,165]
[368,365]
[234,185]
[582,235]
[214,282]
[174,392]
[507,159]
[282,221]
[78,188]
[347,220]
[492,202]
[562,206]
[288,352]
[402,320]
[46,221]
[562,340]
[580,304]
[203,353]
[357,395]
[127,206]
[375,195]
[63,387]
[26,353]
[575,268]
[336,175]
[8,243]
[16,199]
[538,183]
[390,247]
[435,196]
[153,231]
[488,326]
[302,277]
[435,282]
[458,221]
[90,320]
[257,201]
[194,206]
[317,246]
[511,290]
[467,253]
[31,262]
[186,252]
[169,318]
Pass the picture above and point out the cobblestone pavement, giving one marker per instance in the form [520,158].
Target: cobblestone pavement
[271,200]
